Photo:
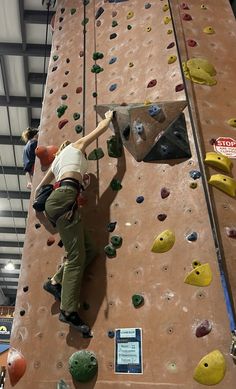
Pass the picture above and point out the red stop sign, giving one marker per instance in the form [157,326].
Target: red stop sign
[226,146]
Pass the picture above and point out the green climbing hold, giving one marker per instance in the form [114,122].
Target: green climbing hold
[61,110]
[76,116]
[115,184]
[114,23]
[85,21]
[55,57]
[95,94]
[96,154]
[73,11]
[129,27]
[96,69]
[110,251]
[83,365]
[116,241]
[78,129]
[114,147]
[97,55]
[137,300]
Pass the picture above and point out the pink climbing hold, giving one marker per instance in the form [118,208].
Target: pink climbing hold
[187,17]
[203,329]
[191,43]
[151,83]
[16,365]
[164,193]
[231,232]
[184,6]
[79,89]
[179,87]
[62,123]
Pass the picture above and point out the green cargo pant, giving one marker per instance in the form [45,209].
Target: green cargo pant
[79,247]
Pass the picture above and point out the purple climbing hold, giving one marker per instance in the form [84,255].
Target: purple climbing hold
[164,193]
[99,12]
[161,217]
[195,174]
[179,87]
[187,17]
[139,199]
[112,60]
[172,44]
[113,36]
[112,87]
[231,232]
[203,329]
[147,6]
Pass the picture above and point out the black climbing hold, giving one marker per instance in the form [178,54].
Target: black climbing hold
[139,199]
[164,193]
[65,84]
[172,44]
[137,300]
[203,329]
[96,154]
[67,72]
[97,55]
[95,94]
[114,23]
[161,217]
[73,11]
[51,91]
[64,97]
[60,243]
[99,12]
[195,174]
[22,312]
[212,141]
[60,19]
[62,10]
[98,23]
[111,226]
[112,87]
[86,2]
[54,68]
[78,129]
[112,60]
[114,147]
[116,241]
[192,237]
[113,36]
[55,57]
[126,132]
[115,184]
[67,60]
[110,251]
[111,334]
[129,27]
[86,306]
[60,28]
[76,116]
[37,225]
[25,289]
[147,5]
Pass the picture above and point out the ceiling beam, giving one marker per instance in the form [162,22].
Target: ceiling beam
[37,78]
[10,256]
[34,50]
[20,101]
[11,140]
[9,291]
[37,17]
[11,170]
[9,281]
[17,214]
[9,274]
[5,243]
[14,194]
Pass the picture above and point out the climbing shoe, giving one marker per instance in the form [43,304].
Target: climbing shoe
[55,290]
[76,322]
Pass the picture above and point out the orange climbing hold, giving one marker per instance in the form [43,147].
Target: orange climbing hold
[46,154]
[16,365]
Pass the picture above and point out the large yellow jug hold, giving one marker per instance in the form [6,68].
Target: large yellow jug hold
[201,275]
[219,161]
[200,70]
[163,242]
[211,369]
[224,183]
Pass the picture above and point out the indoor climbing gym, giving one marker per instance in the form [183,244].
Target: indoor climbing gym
[117,194]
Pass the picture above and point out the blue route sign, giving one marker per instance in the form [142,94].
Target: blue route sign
[128,351]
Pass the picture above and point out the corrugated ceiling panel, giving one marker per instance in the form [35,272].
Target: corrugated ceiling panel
[35,90]
[15,75]
[6,155]
[11,250]
[36,64]
[36,113]
[10,22]
[36,33]
[15,204]
[19,120]
[11,222]
[19,154]
[8,182]
[4,127]
[36,5]
[16,261]
[12,237]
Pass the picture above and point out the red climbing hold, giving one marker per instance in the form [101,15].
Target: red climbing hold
[16,365]
[79,89]
[62,123]
[151,83]
[172,44]
[191,43]
[46,154]
[184,6]
[164,193]
[187,17]
[50,241]
[65,84]
[179,87]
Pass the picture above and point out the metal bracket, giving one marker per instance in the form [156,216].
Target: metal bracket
[233,347]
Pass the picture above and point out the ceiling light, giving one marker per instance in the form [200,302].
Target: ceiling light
[9,266]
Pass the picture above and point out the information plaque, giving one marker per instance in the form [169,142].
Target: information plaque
[128,351]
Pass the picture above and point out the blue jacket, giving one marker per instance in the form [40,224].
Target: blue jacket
[29,155]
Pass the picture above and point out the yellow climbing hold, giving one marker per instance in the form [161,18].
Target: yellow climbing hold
[169,32]
[199,70]
[130,14]
[147,102]
[203,6]
[165,7]
[172,59]
[224,183]
[219,161]
[232,122]
[211,369]
[163,242]
[131,64]
[148,29]
[196,264]
[201,275]
[209,30]
[167,19]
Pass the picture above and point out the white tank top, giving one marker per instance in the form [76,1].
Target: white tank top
[70,159]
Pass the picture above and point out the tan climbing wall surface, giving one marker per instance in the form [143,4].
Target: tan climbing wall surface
[172,309]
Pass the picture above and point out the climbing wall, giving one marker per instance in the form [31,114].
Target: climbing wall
[140,64]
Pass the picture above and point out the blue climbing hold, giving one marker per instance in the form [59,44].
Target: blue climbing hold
[112,87]
[195,174]
[154,110]
[139,199]
[111,334]
[111,226]
[112,60]
[147,5]
[192,237]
